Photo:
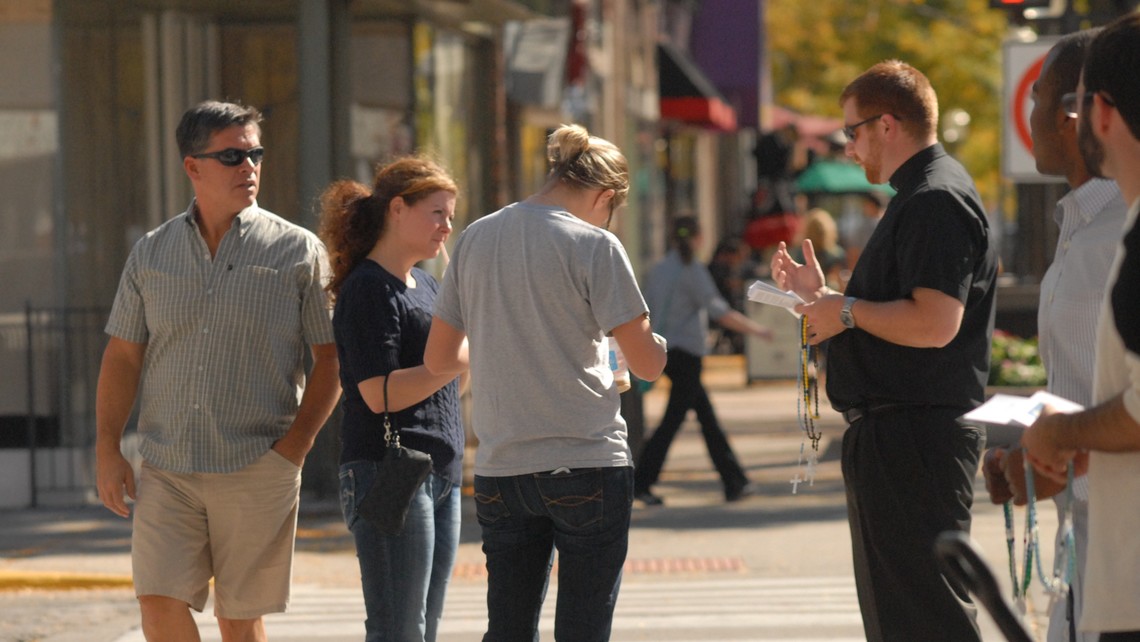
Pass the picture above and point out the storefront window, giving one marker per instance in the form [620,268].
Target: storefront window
[444,98]
[28,153]
[381,83]
[29,147]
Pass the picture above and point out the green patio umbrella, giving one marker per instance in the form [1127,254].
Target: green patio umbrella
[835,177]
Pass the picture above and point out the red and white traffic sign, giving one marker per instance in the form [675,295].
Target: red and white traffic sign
[1022,63]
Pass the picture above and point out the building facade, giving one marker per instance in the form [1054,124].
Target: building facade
[91,92]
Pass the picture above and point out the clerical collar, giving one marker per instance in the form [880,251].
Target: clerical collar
[913,171]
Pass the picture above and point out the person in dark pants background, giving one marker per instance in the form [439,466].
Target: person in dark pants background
[681,297]
[909,353]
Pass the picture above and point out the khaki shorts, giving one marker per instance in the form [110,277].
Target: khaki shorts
[235,527]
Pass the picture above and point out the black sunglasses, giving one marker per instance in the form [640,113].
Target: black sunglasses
[232,156]
[849,130]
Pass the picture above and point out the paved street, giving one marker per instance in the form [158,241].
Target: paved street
[771,567]
[677,610]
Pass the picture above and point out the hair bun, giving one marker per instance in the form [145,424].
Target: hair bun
[567,143]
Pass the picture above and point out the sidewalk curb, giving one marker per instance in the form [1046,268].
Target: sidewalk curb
[55,581]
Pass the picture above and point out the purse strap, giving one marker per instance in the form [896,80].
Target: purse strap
[391,437]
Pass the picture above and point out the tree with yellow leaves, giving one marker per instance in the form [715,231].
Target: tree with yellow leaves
[817,47]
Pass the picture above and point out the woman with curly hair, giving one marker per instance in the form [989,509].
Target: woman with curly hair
[375,237]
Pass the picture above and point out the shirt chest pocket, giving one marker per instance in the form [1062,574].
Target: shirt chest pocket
[259,296]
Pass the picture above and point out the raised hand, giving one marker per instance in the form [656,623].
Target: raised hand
[805,280]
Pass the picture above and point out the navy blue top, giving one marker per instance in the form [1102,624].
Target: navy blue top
[933,235]
[382,325]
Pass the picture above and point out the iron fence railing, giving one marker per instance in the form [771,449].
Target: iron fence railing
[59,352]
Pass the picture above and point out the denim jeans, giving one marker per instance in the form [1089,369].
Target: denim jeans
[405,576]
[584,515]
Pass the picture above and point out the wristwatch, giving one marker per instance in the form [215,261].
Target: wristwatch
[845,316]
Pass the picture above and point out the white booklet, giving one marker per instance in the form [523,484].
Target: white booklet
[763,292]
[1005,417]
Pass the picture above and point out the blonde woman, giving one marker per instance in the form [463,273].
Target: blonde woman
[536,287]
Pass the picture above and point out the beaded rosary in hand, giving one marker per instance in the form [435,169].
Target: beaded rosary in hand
[807,407]
[1056,584]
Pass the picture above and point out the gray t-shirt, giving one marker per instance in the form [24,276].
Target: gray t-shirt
[682,298]
[536,289]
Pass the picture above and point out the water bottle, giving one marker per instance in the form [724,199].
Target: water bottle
[618,365]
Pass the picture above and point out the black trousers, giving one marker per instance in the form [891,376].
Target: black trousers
[909,474]
[687,393]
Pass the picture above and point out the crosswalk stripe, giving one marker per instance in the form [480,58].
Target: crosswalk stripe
[658,609]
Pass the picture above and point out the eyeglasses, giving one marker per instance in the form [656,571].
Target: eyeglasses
[232,156]
[849,130]
[1069,101]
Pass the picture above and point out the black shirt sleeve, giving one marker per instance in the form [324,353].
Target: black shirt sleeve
[936,247]
[1126,292]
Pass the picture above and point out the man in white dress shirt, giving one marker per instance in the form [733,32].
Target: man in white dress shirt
[1091,217]
[1108,433]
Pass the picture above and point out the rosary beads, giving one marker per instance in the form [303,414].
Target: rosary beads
[807,407]
[1056,584]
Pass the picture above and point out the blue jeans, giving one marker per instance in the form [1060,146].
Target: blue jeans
[585,515]
[405,576]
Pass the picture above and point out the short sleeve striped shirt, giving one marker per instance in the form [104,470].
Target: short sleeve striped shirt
[226,336]
[1091,218]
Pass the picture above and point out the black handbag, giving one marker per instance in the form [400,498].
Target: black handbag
[399,473]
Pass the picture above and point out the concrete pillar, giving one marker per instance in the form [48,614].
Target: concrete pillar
[322,45]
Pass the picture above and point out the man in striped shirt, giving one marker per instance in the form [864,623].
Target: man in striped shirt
[1108,433]
[1091,218]
[209,328]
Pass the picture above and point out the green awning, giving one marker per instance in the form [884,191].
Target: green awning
[835,177]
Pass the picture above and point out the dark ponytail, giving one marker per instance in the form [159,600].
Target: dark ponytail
[684,229]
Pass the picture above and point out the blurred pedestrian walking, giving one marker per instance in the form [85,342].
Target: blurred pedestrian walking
[682,297]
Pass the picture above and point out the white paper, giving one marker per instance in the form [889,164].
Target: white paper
[762,292]
[1005,417]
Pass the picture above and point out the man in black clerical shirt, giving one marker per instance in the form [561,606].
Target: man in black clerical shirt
[909,353]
